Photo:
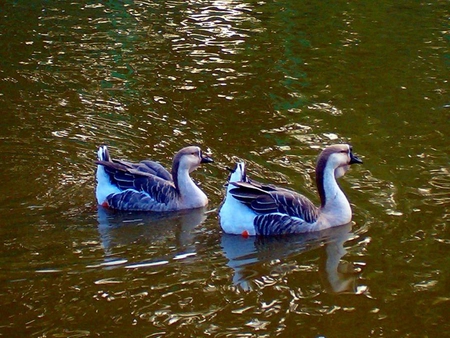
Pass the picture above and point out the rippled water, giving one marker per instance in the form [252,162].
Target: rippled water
[269,82]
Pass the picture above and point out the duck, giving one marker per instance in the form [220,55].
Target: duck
[147,185]
[251,208]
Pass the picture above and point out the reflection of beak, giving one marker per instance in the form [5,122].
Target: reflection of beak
[206,159]
[355,159]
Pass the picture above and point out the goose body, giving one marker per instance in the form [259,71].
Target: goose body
[147,185]
[251,208]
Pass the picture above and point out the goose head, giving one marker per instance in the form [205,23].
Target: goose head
[338,158]
[188,159]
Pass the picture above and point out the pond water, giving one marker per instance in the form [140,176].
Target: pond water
[268,82]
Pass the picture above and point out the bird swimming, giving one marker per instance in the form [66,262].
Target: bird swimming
[147,185]
[251,208]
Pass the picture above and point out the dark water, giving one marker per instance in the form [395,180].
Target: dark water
[270,82]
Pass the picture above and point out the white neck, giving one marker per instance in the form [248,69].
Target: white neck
[337,209]
[190,194]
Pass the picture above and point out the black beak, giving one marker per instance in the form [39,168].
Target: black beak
[206,159]
[355,159]
[230,169]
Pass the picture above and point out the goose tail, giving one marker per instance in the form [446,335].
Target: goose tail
[238,174]
[104,186]
[235,217]
[103,153]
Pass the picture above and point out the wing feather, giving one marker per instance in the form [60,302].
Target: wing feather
[278,224]
[154,168]
[127,175]
[267,199]
[132,200]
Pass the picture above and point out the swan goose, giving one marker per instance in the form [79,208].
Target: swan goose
[147,185]
[251,208]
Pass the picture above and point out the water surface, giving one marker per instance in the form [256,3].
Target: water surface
[269,82]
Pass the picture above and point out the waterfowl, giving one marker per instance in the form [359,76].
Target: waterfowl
[147,185]
[251,208]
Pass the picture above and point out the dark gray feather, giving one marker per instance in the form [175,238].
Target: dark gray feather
[132,200]
[127,175]
[267,199]
[277,224]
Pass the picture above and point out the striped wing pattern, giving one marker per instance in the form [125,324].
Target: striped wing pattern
[278,224]
[132,200]
[146,181]
[281,211]
[149,167]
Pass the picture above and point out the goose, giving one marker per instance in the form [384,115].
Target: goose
[254,209]
[147,185]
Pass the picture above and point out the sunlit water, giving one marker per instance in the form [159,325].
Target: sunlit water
[270,83]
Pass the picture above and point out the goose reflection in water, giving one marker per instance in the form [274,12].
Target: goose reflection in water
[119,228]
[337,276]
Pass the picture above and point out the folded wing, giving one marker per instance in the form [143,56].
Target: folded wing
[146,176]
[147,166]
[266,199]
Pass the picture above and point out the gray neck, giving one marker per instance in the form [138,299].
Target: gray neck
[190,194]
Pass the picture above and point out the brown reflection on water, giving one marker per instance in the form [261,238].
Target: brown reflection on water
[124,228]
[337,276]
[267,82]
